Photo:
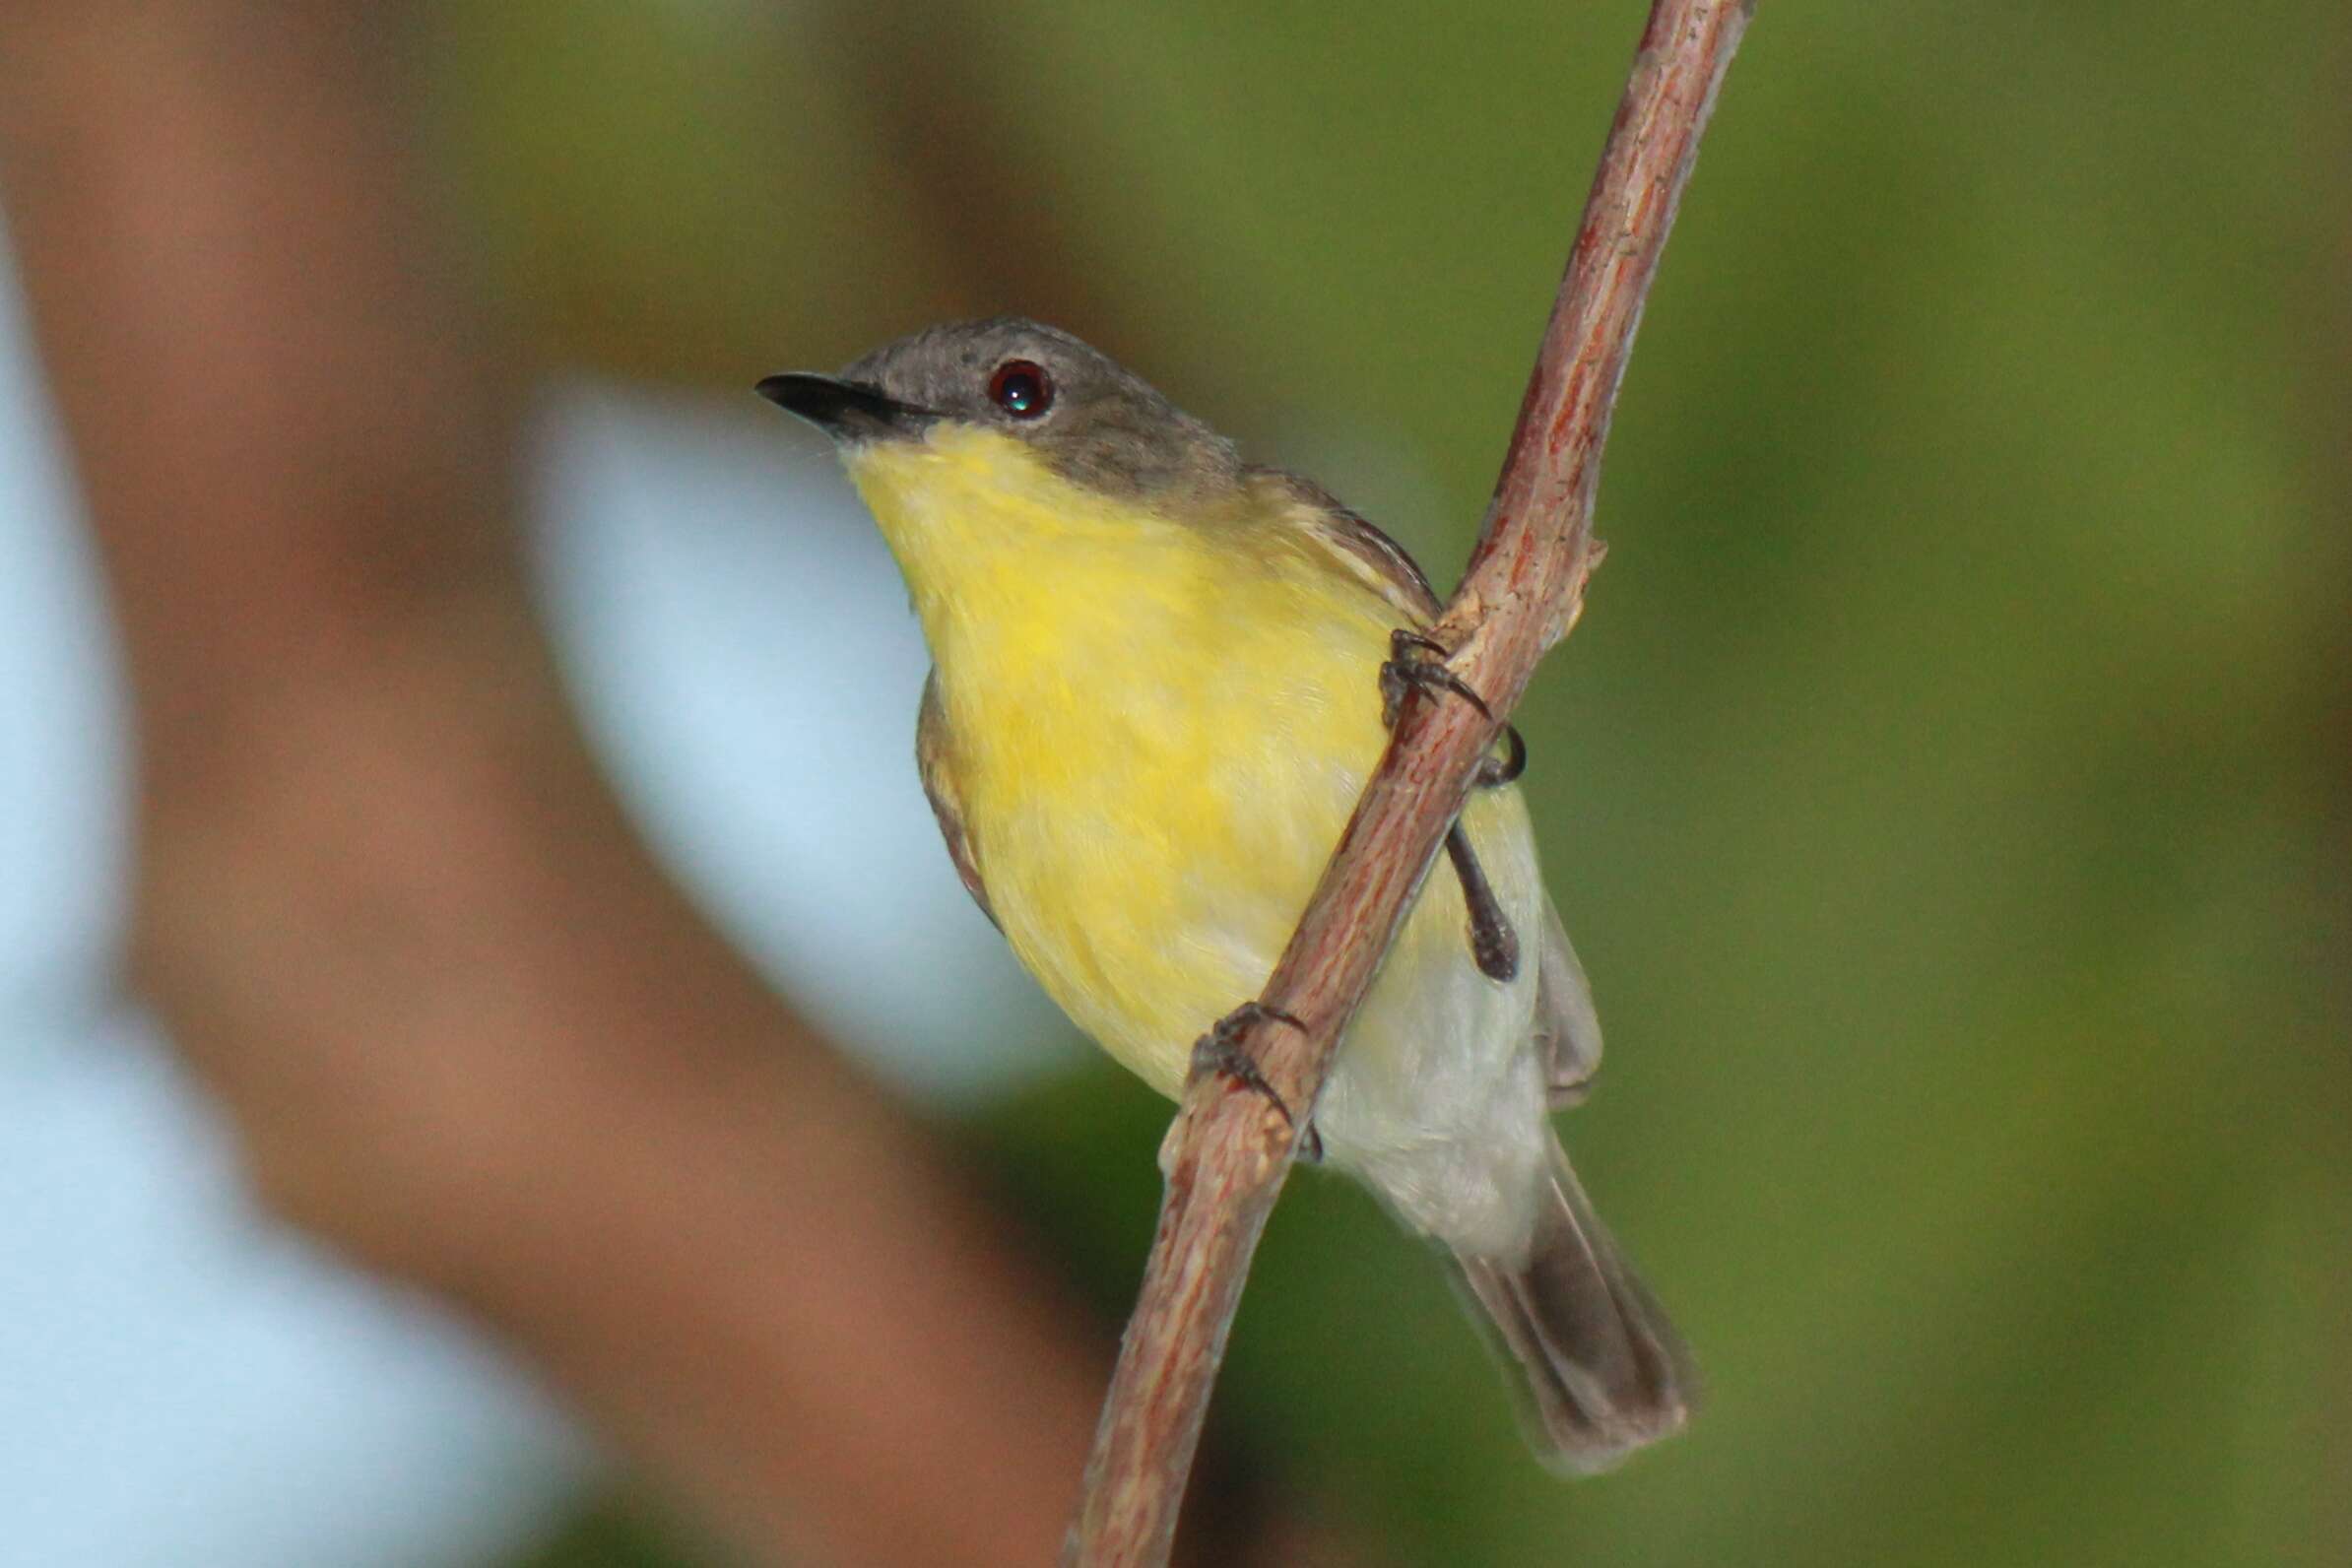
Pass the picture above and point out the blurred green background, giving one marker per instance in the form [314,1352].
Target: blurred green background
[1945,786]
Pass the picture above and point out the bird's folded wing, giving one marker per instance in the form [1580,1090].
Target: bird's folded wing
[1567,1029]
[1379,559]
[946,804]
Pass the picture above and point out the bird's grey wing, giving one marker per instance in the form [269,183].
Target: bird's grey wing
[939,787]
[1378,558]
[1567,1029]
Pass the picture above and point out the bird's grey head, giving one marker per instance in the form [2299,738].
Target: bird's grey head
[1094,421]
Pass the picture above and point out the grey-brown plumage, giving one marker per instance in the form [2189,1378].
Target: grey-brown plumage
[1109,429]
[1604,1371]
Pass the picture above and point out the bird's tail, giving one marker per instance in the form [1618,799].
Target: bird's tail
[1605,1372]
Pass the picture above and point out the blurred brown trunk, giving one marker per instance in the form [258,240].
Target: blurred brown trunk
[465,1027]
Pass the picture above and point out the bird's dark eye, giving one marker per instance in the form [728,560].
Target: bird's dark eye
[1021,388]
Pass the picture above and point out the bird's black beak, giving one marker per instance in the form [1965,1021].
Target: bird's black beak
[844,409]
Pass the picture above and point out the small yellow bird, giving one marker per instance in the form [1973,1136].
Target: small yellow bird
[1158,688]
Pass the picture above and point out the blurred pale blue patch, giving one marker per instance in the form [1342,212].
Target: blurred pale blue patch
[182,1382]
[740,645]
[64,788]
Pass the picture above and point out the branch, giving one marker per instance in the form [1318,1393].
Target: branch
[1228,1150]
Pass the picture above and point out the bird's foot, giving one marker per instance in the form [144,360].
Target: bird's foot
[1494,945]
[1416,659]
[1496,771]
[1219,1051]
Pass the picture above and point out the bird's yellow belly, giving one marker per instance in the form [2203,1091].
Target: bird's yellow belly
[1148,730]
[1151,829]
[1153,806]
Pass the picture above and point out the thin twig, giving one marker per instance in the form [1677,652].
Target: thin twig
[1227,1153]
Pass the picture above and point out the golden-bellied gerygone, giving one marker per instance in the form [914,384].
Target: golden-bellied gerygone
[1160,679]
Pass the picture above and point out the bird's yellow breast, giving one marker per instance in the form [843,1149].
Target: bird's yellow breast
[1155,728]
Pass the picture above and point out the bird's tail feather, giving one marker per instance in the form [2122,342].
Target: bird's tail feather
[1604,1371]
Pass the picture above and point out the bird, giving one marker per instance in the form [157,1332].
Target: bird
[1160,677]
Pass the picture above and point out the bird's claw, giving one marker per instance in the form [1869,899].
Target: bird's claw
[1405,671]
[1219,1051]
[1495,772]
[1416,659]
